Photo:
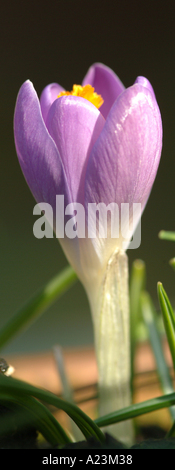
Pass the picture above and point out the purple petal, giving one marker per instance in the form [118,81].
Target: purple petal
[106,84]
[124,161]
[145,82]
[37,153]
[48,96]
[40,161]
[75,124]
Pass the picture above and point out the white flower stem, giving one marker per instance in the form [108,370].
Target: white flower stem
[110,310]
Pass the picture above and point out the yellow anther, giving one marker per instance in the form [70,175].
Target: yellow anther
[86,92]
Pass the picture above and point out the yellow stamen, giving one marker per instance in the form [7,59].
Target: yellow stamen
[86,92]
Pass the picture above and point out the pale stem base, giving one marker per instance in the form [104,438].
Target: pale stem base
[112,341]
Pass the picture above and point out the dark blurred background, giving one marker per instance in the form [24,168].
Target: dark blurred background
[56,41]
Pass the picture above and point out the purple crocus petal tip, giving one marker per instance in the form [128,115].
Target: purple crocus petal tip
[48,96]
[124,161]
[106,84]
[145,82]
[37,153]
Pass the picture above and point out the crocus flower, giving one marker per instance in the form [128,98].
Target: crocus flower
[67,146]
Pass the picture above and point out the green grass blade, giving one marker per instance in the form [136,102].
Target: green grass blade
[37,415]
[67,392]
[37,304]
[171,432]
[168,318]
[19,388]
[164,235]
[137,410]
[150,319]
[137,284]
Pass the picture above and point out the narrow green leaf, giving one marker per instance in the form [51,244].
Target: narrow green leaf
[137,284]
[37,304]
[171,432]
[168,318]
[137,410]
[19,388]
[37,415]
[167,235]
[67,392]
[150,319]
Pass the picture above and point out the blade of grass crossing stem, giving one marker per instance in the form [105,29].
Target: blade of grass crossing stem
[168,318]
[37,304]
[90,427]
[66,388]
[149,316]
[139,409]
